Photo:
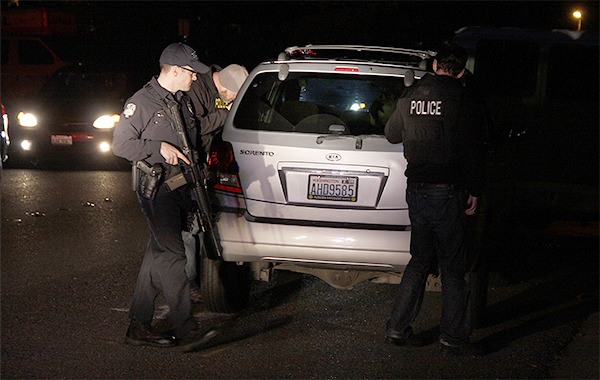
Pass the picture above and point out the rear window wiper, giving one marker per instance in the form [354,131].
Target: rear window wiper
[337,135]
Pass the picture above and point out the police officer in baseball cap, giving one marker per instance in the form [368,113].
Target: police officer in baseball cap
[145,136]
[179,54]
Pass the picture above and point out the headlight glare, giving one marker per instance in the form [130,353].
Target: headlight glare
[104,146]
[26,145]
[106,121]
[27,119]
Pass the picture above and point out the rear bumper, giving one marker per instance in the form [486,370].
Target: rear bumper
[342,248]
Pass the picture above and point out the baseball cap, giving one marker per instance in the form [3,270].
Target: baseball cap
[179,54]
[232,77]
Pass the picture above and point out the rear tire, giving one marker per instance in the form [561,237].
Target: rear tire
[225,286]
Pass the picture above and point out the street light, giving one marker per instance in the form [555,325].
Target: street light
[578,15]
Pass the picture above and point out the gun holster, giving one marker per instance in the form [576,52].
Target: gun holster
[146,179]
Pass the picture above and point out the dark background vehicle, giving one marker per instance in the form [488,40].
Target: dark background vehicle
[28,59]
[73,115]
[27,62]
[540,91]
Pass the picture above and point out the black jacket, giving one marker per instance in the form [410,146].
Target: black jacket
[207,104]
[443,141]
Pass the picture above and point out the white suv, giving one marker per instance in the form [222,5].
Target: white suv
[304,177]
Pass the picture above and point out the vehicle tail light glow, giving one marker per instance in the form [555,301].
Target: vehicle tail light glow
[222,163]
[229,183]
[349,69]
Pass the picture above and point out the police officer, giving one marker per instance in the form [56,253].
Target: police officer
[444,150]
[145,133]
[211,95]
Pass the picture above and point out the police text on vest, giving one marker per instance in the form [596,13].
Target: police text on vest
[426,107]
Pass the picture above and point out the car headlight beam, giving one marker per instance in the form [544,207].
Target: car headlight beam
[104,147]
[27,119]
[26,145]
[106,121]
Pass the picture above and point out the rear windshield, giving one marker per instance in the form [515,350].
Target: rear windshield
[319,103]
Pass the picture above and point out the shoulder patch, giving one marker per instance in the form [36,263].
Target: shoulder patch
[129,110]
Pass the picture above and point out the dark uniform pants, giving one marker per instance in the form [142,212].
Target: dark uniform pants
[163,267]
[437,227]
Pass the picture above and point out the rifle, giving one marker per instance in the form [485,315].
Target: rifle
[204,213]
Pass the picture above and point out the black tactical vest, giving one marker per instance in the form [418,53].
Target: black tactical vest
[431,114]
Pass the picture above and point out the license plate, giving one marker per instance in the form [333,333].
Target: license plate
[332,188]
[61,140]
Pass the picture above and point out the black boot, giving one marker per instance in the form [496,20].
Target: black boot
[467,349]
[197,339]
[141,335]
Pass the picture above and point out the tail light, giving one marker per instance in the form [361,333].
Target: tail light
[223,168]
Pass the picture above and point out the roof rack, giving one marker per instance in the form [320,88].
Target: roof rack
[309,51]
[423,54]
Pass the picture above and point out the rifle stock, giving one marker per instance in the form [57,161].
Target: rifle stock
[204,212]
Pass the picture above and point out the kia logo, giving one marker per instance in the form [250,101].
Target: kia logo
[333,157]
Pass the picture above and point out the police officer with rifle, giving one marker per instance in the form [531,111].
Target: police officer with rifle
[157,133]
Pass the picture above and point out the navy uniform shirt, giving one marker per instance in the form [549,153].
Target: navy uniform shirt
[145,124]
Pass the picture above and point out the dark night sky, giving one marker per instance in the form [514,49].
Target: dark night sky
[246,32]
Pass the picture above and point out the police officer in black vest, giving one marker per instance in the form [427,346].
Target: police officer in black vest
[443,145]
[145,136]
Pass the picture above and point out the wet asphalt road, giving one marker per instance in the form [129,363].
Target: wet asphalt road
[72,243]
